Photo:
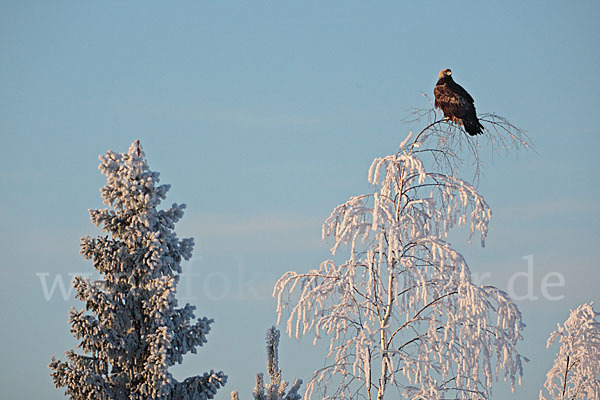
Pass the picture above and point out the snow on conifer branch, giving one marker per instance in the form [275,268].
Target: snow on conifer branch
[276,388]
[576,370]
[402,310]
[131,330]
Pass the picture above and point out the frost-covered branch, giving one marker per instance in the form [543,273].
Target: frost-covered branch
[576,370]
[275,389]
[131,329]
[402,310]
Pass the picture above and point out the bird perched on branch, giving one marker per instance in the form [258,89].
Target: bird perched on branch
[456,103]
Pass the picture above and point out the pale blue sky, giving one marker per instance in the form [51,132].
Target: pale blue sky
[263,116]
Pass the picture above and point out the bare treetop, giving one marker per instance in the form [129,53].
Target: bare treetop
[452,148]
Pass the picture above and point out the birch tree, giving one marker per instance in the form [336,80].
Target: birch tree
[576,370]
[131,330]
[401,311]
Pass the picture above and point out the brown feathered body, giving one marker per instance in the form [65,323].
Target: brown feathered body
[456,103]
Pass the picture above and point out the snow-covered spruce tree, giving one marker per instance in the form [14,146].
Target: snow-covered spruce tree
[131,330]
[576,370]
[275,390]
[402,311]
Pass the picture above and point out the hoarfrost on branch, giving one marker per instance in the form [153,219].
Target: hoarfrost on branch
[131,330]
[276,388]
[576,370]
[402,310]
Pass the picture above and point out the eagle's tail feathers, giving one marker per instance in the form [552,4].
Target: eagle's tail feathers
[473,127]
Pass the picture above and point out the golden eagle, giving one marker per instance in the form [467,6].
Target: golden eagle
[456,103]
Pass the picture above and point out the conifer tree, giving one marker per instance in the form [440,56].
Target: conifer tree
[131,329]
[275,390]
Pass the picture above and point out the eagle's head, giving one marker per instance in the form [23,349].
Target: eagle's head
[445,73]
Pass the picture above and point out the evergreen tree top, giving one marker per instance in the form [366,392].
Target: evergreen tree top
[131,328]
